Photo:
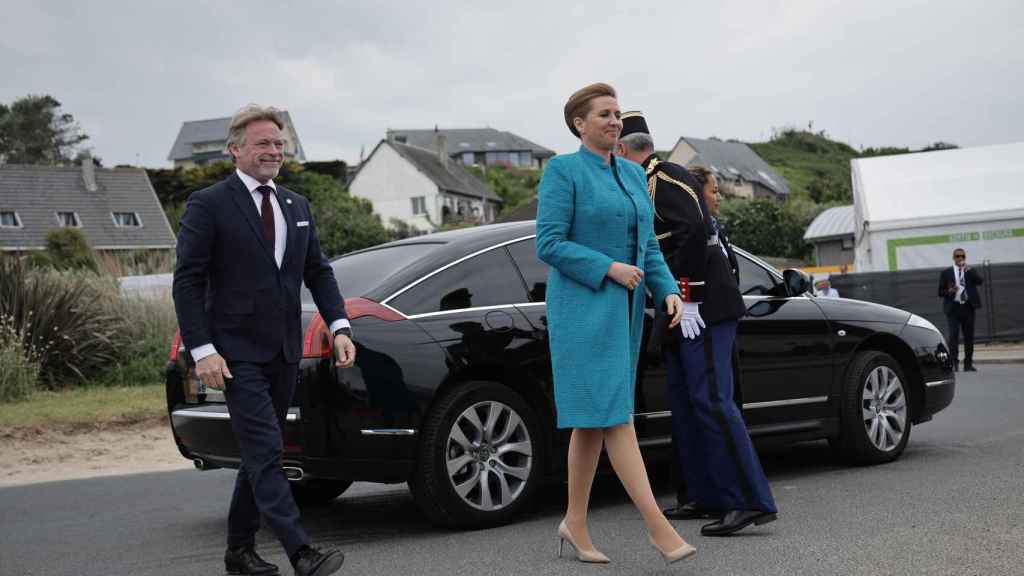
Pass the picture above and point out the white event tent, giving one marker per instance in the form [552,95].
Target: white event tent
[912,210]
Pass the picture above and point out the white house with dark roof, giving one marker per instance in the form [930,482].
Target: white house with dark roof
[201,142]
[479,146]
[116,209]
[422,187]
[740,171]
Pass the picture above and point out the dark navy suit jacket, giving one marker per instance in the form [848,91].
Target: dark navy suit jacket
[228,290]
[971,282]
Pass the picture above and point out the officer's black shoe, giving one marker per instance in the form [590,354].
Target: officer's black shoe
[312,562]
[970,368]
[736,520]
[245,560]
[690,511]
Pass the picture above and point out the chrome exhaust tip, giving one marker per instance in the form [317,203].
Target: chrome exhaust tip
[293,473]
[199,463]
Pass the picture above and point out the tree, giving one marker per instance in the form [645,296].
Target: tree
[767,227]
[34,130]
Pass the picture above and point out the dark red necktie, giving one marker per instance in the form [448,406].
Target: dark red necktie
[267,211]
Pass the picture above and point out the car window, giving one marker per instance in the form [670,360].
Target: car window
[535,272]
[488,279]
[754,280]
[359,273]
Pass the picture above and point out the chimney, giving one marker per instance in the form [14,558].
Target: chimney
[441,145]
[89,172]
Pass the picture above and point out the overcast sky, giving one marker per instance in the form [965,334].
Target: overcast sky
[869,72]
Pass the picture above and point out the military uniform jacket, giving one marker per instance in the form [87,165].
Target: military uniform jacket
[692,248]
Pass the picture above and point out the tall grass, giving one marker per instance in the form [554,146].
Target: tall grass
[68,319]
[19,366]
[149,328]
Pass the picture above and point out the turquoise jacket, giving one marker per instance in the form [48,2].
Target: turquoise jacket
[581,230]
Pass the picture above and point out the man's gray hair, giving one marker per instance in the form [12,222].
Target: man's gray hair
[638,141]
[247,115]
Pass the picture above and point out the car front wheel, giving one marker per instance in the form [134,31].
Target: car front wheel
[480,457]
[876,416]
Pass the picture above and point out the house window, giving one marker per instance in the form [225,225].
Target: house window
[9,219]
[68,220]
[848,243]
[127,219]
[419,205]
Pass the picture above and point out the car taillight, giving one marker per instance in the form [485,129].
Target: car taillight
[175,346]
[318,342]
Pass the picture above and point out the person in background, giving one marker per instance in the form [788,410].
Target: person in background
[825,289]
[595,231]
[958,288]
[724,478]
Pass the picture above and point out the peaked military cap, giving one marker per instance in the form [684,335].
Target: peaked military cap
[633,123]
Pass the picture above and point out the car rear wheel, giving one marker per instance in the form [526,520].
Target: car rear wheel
[480,457]
[318,491]
[876,410]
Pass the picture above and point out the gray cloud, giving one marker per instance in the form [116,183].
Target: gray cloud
[871,73]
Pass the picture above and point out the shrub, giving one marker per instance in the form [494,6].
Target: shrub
[150,324]
[68,319]
[69,249]
[19,369]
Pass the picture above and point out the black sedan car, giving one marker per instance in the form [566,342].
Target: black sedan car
[452,390]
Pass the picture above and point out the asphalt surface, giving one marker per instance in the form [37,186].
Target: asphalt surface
[953,504]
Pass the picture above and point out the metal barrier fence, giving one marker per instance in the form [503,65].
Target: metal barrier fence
[1000,318]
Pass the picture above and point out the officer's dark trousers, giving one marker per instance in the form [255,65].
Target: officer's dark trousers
[258,399]
[720,465]
[962,317]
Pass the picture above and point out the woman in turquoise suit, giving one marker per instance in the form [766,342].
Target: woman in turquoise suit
[595,230]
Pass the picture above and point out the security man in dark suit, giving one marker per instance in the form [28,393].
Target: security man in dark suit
[958,288]
[723,475]
[245,247]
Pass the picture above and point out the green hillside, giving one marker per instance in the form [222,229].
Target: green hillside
[816,168]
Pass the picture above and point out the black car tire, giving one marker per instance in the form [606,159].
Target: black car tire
[433,488]
[856,442]
[318,491]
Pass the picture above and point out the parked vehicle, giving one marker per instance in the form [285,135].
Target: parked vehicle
[452,391]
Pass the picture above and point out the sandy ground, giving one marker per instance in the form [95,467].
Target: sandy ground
[44,455]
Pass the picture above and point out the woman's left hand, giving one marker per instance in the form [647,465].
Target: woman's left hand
[674,307]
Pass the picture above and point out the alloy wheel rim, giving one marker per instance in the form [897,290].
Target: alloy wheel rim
[884,409]
[488,455]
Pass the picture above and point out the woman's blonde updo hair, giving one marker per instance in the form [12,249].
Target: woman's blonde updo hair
[578,105]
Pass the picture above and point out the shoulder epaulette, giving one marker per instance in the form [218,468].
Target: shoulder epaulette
[654,173]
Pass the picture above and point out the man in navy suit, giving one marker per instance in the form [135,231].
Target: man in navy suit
[245,247]
[958,288]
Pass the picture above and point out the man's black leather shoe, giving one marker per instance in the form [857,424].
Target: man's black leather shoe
[245,560]
[312,562]
[970,368]
[736,520]
[690,511]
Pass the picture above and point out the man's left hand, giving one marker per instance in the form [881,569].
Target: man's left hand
[344,351]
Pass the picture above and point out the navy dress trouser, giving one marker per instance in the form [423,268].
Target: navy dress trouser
[258,398]
[719,463]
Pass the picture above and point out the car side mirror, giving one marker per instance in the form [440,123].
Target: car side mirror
[797,282]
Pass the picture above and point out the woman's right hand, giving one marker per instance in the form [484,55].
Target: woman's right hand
[628,276]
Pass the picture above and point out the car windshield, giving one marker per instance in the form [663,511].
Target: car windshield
[359,273]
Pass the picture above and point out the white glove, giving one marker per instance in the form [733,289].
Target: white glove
[691,322]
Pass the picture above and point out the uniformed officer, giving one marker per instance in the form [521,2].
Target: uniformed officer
[724,478]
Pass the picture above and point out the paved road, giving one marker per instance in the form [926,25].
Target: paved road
[954,504]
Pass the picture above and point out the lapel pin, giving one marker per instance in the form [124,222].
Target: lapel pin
[287,200]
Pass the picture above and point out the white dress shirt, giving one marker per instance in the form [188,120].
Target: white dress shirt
[280,241]
[961,285]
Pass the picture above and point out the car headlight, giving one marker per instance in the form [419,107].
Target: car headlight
[920,322]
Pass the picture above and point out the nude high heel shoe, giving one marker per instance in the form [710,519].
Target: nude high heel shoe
[591,556]
[681,553]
